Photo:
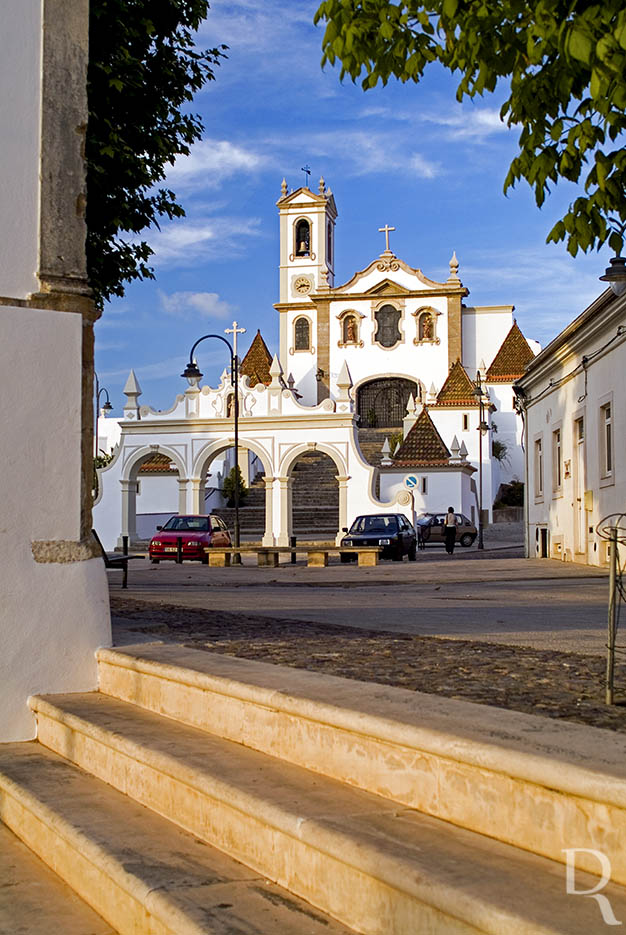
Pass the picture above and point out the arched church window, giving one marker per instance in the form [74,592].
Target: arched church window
[387,332]
[350,330]
[302,334]
[427,327]
[303,238]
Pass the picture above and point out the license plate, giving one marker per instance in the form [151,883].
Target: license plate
[170,548]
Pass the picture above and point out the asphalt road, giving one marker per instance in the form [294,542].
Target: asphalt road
[496,596]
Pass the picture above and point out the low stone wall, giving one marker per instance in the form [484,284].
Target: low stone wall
[509,514]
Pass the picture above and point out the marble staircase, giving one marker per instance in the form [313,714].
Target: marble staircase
[200,793]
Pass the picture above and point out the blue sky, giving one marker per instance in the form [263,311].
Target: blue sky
[405,155]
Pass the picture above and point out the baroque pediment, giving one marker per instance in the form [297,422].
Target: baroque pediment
[388,263]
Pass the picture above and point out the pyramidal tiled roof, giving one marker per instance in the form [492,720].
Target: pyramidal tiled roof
[422,446]
[257,362]
[458,390]
[512,359]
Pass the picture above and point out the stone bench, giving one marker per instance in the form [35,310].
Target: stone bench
[268,556]
[366,555]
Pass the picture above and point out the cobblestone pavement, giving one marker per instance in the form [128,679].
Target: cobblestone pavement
[557,684]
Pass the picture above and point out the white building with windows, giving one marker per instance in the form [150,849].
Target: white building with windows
[361,366]
[573,396]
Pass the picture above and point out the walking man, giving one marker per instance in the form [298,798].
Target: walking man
[449,530]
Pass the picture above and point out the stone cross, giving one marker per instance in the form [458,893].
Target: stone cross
[385,230]
[234,331]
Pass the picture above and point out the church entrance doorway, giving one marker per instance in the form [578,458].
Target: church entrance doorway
[382,403]
[314,496]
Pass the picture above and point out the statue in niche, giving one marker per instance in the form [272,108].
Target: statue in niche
[350,330]
[427,328]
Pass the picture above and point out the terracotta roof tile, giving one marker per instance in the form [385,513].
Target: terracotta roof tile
[458,390]
[512,359]
[257,362]
[158,464]
[423,445]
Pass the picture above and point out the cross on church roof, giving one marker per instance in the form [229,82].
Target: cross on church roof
[385,230]
[307,172]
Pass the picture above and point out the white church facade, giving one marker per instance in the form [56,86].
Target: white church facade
[377,376]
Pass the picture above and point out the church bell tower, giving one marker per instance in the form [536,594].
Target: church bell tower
[307,241]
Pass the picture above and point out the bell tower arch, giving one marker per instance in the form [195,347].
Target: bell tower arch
[306,267]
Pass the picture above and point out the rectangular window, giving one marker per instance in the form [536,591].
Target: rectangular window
[424,485]
[557,461]
[538,467]
[465,422]
[606,440]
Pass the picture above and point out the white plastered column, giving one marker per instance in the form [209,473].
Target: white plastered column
[129,510]
[343,505]
[197,494]
[183,484]
[285,522]
[268,535]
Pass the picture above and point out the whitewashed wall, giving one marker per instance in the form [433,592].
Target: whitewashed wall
[54,615]
[556,510]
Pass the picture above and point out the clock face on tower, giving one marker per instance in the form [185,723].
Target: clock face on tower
[302,285]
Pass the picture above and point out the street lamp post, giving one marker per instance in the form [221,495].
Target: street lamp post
[106,408]
[193,375]
[480,393]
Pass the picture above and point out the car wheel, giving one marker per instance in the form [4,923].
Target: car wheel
[466,539]
[412,553]
[205,559]
[155,561]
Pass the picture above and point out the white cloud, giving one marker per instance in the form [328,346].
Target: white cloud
[210,163]
[470,123]
[548,288]
[423,168]
[194,305]
[363,152]
[183,243]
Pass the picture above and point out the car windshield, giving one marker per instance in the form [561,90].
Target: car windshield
[187,524]
[374,524]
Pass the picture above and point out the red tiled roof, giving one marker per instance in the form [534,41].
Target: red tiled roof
[257,362]
[422,446]
[158,464]
[458,390]
[512,359]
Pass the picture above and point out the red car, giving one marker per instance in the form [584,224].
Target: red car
[196,533]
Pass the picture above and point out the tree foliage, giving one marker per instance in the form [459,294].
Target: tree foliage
[231,482]
[565,67]
[143,70]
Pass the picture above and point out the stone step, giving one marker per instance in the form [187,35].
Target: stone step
[372,865]
[529,781]
[140,872]
[34,901]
